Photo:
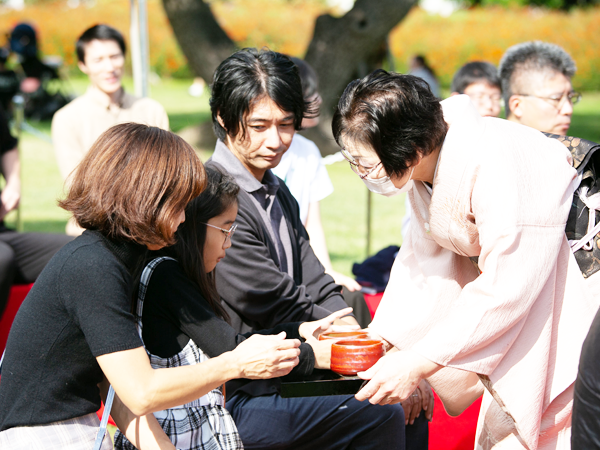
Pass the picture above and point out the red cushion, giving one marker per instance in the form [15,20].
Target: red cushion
[17,294]
[453,433]
[372,301]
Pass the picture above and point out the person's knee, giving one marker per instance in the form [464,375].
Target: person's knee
[393,413]
[7,258]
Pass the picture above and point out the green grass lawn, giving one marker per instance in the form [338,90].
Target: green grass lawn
[344,212]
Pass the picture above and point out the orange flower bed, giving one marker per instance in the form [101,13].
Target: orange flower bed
[485,33]
[287,26]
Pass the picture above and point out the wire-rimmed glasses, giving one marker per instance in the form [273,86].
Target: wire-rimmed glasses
[361,171]
[227,233]
[558,101]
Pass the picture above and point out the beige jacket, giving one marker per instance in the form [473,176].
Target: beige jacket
[76,126]
[502,193]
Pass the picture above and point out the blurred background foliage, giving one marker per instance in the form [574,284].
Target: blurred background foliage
[481,31]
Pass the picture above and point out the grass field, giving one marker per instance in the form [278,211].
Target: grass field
[344,212]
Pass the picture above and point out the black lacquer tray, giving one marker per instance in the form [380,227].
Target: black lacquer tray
[320,383]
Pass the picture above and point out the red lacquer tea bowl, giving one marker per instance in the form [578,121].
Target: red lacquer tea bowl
[344,335]
[356,355]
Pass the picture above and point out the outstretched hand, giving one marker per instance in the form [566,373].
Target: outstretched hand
[395,377]
[312,330]
[263,356]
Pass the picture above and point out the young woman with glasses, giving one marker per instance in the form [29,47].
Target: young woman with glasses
[182,322]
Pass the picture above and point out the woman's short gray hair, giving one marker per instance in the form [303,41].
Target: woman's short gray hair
[533,56]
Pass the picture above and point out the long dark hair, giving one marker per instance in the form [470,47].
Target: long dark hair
[220,193]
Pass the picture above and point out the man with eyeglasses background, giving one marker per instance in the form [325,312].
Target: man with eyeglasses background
[536,85]
[479,80]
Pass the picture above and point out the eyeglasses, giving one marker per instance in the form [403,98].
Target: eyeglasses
[558,101]
[480,97]
[361,171]
[227,233]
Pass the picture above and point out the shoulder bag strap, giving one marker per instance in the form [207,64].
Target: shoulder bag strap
[107,407]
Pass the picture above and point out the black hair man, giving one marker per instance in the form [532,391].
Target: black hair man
[271,275]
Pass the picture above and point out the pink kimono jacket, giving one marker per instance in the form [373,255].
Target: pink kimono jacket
[502,193]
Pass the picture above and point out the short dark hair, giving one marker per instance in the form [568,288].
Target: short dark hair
[395,115]
[220,193]
[534,56]
[247,76]
[475,72]
[133,184]
[98,32]
[308,77]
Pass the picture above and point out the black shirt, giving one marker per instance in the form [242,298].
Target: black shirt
[175,311]
[585,432]
[78,309]
[7,141]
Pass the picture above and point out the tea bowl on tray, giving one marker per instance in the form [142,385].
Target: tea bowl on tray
[355,355]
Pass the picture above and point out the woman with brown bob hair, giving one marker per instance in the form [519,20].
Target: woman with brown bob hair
[75,333]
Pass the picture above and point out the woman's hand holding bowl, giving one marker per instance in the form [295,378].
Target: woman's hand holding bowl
[395,376]
[260,356]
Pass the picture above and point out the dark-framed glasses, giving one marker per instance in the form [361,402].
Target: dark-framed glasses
[227,233]
[558,101]
[361,171]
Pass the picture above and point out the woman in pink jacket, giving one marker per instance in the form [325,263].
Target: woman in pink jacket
[485,296]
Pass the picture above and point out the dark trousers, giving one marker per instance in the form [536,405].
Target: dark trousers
[333,422]
[23,256]
[361,311]
[417,434]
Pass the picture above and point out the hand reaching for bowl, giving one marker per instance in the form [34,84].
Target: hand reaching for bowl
[395,377]
[263,356]
[312,330]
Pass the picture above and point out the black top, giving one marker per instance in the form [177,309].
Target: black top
[585,434]
[78,309]
[175,311]
[255,292]
[7,141]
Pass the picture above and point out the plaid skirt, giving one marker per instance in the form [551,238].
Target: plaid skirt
[195,428]
[73,434]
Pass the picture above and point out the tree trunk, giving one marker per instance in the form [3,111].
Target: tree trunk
[201,38]
[342,49]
